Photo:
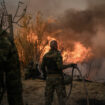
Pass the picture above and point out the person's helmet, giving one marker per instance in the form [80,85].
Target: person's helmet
[53,44]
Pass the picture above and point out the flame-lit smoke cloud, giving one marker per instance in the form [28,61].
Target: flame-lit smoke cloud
[79,21]
[85,22]
[86,26]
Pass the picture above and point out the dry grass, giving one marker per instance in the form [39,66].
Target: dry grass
[34,93]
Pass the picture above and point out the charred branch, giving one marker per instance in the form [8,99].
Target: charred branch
[4,25]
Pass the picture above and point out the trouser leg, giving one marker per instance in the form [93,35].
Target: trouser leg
[61,93]
[49,92]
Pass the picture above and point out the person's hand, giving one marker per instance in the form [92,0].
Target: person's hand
[74,65]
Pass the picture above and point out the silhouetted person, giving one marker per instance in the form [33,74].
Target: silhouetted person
[52,68]
[10,77]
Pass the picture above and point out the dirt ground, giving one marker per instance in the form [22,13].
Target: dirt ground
[34,93]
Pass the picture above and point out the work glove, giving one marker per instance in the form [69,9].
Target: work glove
[74,65]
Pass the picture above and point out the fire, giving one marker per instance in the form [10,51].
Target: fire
[32,37]
[79,54]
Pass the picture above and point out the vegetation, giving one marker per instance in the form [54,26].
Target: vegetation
[34,93]
[29,39]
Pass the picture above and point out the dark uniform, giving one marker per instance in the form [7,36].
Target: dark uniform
[10,77]
[52,66]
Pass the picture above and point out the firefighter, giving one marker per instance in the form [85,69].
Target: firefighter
[10,78]
[52,68]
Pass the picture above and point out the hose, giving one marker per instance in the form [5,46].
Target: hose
[68,96]
[86,91]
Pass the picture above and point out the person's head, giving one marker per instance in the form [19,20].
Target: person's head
[53,45]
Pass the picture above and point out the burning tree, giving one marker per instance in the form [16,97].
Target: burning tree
[24,47]
[29,39]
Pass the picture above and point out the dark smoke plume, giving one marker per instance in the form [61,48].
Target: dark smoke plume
[85,26]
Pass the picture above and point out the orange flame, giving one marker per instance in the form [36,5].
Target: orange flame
[32,37]
[78,55]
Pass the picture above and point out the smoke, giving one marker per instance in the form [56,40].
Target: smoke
[98,42]
[94,3]
[86,26]
[85,22]
[48,7]
[78,20]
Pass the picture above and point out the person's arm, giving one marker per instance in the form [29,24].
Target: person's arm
[43,66]
[66,66]
[70,65]
[60,63]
